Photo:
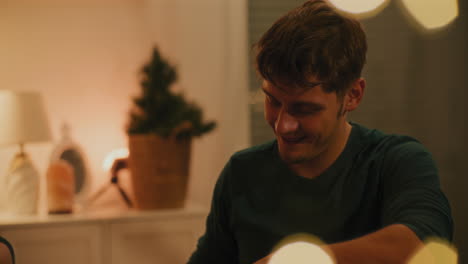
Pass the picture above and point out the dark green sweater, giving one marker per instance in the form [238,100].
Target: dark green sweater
[378,180]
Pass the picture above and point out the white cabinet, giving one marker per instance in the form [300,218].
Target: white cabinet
[61,244]
[165,241]
[166,236]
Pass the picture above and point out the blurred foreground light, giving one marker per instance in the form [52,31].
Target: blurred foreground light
[432,14]
[300,253]
[112,156]
[435,251]
[360,8]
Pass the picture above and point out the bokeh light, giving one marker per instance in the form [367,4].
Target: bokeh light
[435,251]
[304,248]
[300,253]
[301,249]
[432,14]
[113,155]
[360,8]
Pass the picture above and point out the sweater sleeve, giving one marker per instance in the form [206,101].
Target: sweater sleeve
[412,194]
[217,244]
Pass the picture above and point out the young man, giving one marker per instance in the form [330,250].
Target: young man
[372,197]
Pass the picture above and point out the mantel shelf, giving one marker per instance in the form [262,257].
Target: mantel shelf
[105,215]
[106,236]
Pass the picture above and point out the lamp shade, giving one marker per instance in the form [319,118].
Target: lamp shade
[23,118]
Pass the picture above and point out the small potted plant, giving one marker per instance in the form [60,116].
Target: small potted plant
[161,127]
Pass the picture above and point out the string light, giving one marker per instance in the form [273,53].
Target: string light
[301,248]
[435,251]
[432,14]
[300,253]
[360,8]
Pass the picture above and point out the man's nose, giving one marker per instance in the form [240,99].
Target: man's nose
[285,123]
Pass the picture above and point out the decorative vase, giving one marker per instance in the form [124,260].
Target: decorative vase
[159,170]
[60,187]
[67,149]
[22,186]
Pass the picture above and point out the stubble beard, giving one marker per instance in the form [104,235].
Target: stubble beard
[310,150]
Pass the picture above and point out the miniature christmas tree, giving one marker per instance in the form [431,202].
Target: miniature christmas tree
[160,111]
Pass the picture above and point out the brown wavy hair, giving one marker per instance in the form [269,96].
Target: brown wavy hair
[316,40]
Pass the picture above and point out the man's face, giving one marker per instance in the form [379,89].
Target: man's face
[306,122]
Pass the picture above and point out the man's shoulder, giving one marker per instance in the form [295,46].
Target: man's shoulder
[381,143]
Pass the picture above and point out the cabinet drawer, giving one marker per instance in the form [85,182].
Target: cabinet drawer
[161,241]
[57,244]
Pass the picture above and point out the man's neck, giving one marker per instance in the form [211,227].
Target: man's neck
[313,168]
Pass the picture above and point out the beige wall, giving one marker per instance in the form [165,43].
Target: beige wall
[84,56]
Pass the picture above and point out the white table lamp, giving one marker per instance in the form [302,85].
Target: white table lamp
[23,120]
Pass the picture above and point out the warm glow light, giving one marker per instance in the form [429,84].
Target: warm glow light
[435,252]
[359,6]
[432,14]
[300,253]
[113,155]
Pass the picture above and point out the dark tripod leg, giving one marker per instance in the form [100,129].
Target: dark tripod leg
[118,165]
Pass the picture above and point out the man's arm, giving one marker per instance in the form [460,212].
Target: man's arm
[393,244]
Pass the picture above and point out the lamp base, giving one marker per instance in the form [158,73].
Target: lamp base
[22,186]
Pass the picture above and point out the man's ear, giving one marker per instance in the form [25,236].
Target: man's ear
[354,94]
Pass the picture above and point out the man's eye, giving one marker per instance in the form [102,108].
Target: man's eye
[306,110]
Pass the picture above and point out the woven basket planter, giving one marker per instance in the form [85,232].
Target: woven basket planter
[159,170]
